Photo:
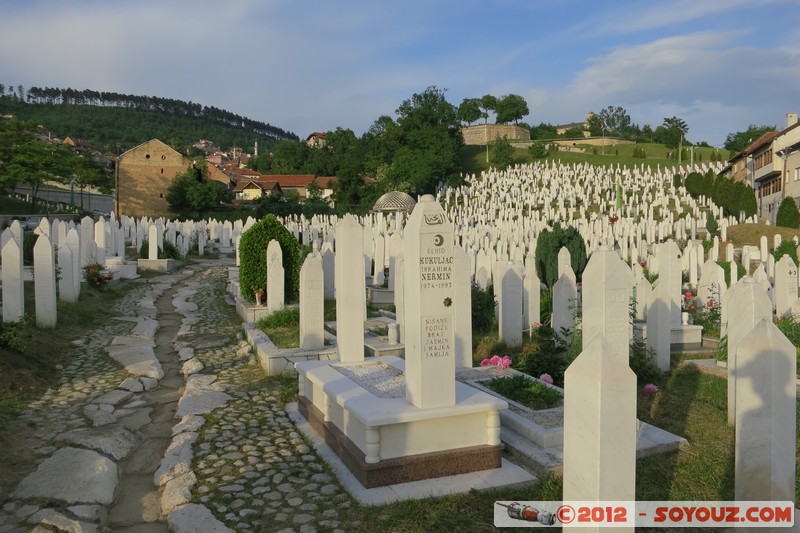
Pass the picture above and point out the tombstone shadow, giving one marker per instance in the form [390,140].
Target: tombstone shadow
[673,404]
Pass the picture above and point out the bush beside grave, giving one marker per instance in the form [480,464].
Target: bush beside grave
[253,258]
[547,247]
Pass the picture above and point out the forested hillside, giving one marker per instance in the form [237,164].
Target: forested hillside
[115,122]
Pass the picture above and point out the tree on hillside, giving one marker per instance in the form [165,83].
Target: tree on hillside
[675,130]
[544,131]
[511,107]
[470,110]
[738,141]
[429,139]
[488,105]
[595,125]
[192,193]
[502,152]
[788,215]
[615,120]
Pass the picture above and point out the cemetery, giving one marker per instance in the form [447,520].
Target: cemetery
[549,331]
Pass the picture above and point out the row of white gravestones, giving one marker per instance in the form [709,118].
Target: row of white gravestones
[600,428]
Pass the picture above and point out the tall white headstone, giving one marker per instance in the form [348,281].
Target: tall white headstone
[429,312]
[531,297]
[44,281]
[73,243]
[565,299]
[276,278]
[462,304]
[766,416]
[312,303]
[599,426]
[66,285]
[152,241]
[350,290]
[510,306]
[606,301]
[13,286]
[785,292]
[329,269]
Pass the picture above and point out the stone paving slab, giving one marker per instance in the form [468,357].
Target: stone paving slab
[113,440]
[72,475]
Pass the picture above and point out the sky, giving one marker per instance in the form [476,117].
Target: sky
[315,65]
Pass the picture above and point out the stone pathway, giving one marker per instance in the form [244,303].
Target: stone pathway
[137,448]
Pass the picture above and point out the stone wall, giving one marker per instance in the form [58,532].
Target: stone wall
[485,133]
[145,174]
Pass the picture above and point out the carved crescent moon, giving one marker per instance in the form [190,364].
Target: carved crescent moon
[438,240]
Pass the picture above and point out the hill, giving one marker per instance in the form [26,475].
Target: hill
[473,158]
[114,122]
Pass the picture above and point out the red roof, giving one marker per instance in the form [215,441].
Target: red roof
[291,180]
[319,134]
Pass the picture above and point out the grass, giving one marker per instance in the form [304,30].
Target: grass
[282,327]
[742,234]
[26,373]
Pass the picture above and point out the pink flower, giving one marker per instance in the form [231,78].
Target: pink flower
[688,294]
[710,304]
[505,362]
[692,306]
[537,325]
[650,388]
[547,378]
[485,362]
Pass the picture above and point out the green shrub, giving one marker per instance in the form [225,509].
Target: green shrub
[788,215]
[786,248]
[11,334]
[253,258]
[483,319]
[712,226]
[547,247]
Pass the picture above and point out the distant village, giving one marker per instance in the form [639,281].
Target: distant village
[769,164]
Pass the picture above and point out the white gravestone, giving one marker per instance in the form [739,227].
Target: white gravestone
[766,403]
[462,302]
[152,242]
[429,313]
[275,277]
[66,285]
[44,282]
[565,298]
[785,292]
[350,290]
[329,269]
[532,297]
[73,243]
[599,426]
[13,286]
[747,305]
[510,306]
[669,277]
[312,303]
[606,301]
[87,238]
[659,325]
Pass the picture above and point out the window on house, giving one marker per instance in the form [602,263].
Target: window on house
[797,174]
[147,156]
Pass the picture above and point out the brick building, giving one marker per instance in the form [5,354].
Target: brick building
[145,172]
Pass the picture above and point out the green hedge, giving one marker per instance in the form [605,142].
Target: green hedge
[253,258]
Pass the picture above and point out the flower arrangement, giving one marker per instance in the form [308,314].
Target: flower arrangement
[94,276]
[499,362]
[650,388]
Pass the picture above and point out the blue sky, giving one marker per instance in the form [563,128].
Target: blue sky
[313,65]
